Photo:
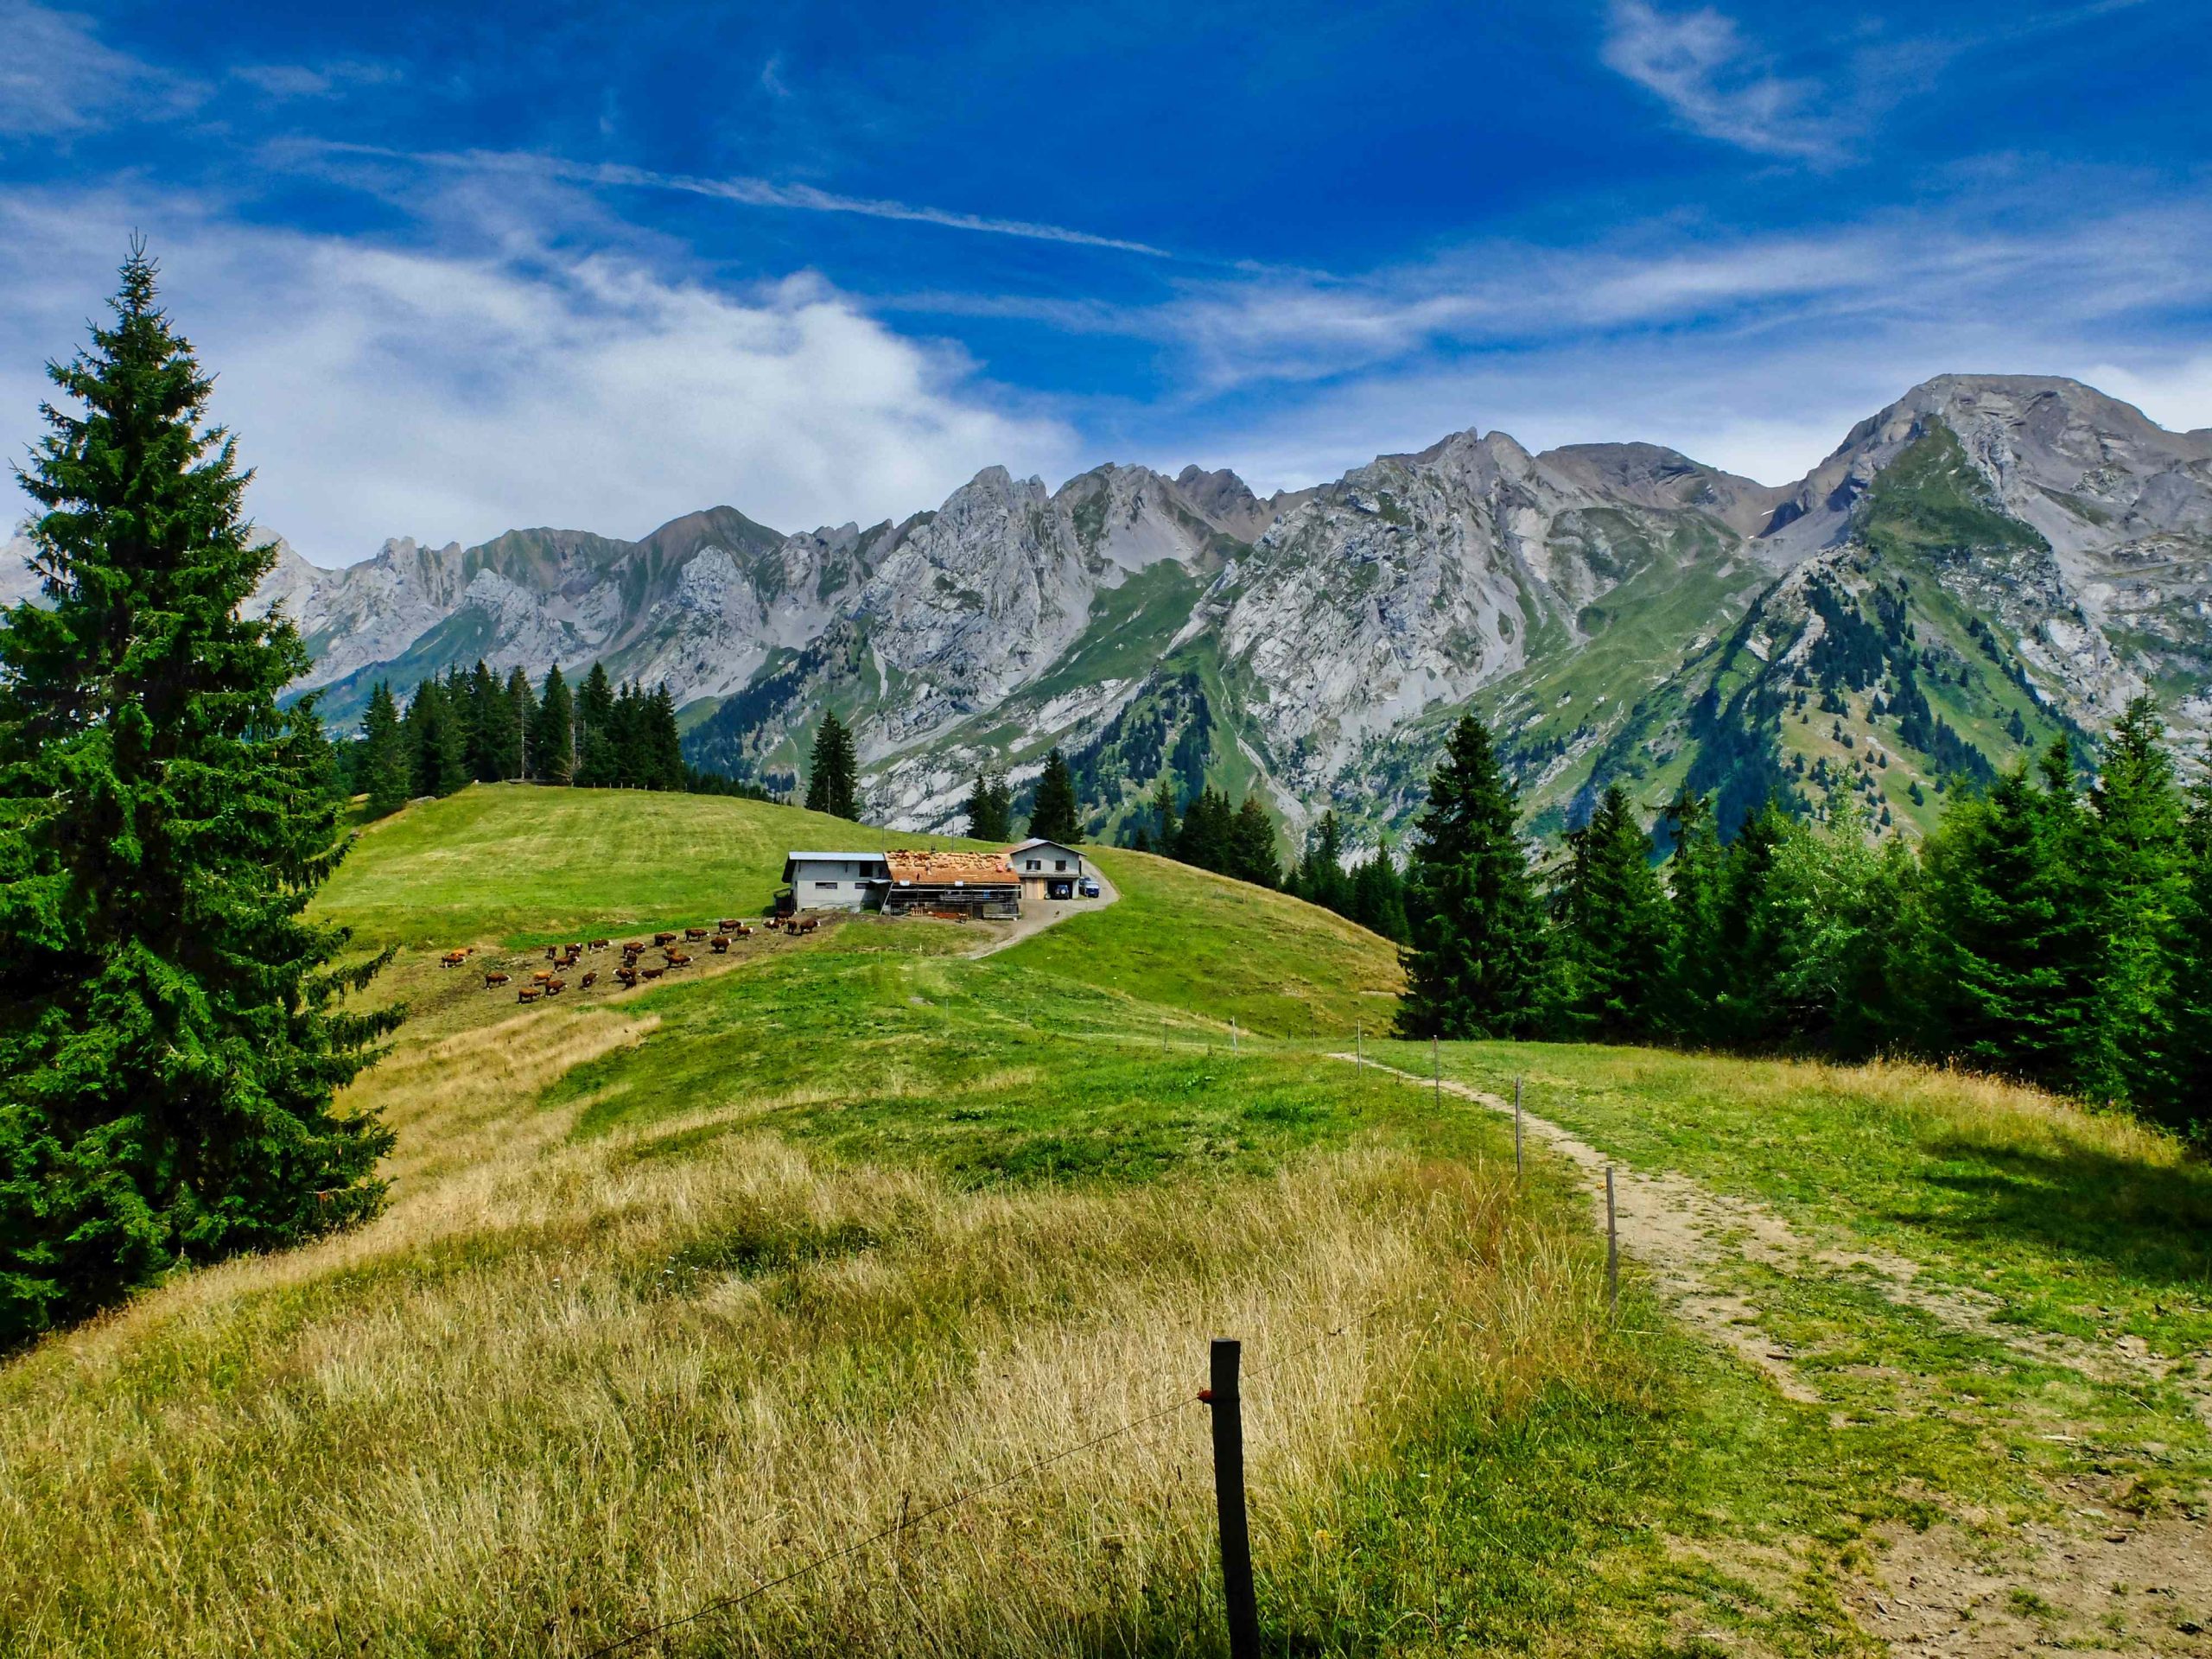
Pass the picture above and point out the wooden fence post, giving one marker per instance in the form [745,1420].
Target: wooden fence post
[1612,1250]
[1516,1129]
[1358,1046]
[1234,1047]
[1436,1065]
[1228,1501]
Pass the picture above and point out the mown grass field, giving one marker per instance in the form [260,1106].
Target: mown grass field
[683,1289]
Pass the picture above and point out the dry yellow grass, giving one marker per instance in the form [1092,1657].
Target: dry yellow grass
[565,1387]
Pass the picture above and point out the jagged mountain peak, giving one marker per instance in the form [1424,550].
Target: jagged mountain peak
[1652,475]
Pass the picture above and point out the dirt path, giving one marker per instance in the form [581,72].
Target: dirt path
[2109,1582]
[1039,916]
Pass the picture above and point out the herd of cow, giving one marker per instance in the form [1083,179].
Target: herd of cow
[567,959]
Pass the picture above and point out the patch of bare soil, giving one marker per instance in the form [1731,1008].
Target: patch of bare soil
[2115,1586]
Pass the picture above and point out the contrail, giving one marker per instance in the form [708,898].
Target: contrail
[753,192]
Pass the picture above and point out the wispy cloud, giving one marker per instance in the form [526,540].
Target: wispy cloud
[1716,82]
[302,80]
[750,192]
[443,394]
[57,76]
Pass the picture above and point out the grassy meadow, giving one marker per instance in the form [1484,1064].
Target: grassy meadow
[681,1290]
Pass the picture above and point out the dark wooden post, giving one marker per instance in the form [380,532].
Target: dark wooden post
[1436,1065]
[1229,1502]
[1516,1129]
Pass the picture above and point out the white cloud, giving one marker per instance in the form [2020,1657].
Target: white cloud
[1715,82]
[57,76]
[384,392]
[2174,392]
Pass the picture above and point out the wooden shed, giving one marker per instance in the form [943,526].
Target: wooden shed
[950,884]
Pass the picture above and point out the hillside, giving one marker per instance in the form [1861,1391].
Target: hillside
[2031,553]
[682,1290]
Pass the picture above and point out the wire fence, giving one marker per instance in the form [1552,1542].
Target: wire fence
[906,1521]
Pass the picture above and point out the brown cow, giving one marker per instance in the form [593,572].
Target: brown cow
[627,974]
[528,994]
[554,987]
[541,975]
[651,973]
[742,931]
[663,939]
[634,945]
[598,944]
[695,932]
[454,958]
[810,924]
[590,980]
[492,981]
[720,947]
[729,924]
[676,958]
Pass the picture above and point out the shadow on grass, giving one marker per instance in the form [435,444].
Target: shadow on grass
[2151,1222]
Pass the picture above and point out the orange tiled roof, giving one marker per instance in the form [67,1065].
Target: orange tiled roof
[927,865]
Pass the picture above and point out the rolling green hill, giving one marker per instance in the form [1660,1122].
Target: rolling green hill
[682,1291]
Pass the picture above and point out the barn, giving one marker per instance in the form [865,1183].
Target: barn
[950,884]
[1048,870]
[832,881]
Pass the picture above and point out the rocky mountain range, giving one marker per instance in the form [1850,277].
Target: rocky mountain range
[1988,562]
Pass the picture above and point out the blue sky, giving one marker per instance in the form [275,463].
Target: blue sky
[464,268]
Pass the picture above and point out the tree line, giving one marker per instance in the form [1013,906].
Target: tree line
[471,727]
[2049,929]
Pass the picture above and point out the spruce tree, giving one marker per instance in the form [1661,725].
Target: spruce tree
[1165,820]
[434,741]
[491,737]
[1694,957]
[1252,845]
[833,776]
[664,742]
[522,718]
[599,766]
[1055,814]
[553,739]
[2187,1102]
[1321,877]
[171,1033]
[386,769]
[2132,883]
[1475,967]
[990,807]
[1207,833]
[1611,933]
[1378,897]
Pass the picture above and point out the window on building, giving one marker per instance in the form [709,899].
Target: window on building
[1059,863]
[1034,865]
[825,884]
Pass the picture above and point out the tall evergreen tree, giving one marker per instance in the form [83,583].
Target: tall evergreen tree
[1609,940]
[664,745]
[1475,966]
[1321,877]
[433,741]
[171,1036]
[2009,939]
[1165,819]
[990,807]
[553,738]
[491,736]
[600,766]
[386,769]
[522,718]
[1055,814]
[833,773]
[1695,955]
[1207,833]
[1378,896]
[1252,845]
[2132,883]
[2187,1102]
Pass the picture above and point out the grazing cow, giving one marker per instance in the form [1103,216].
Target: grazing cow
[663,939]
[720,947]
[528,994]
[492,981]
[590,980]
[810,924]
[627,974]
[729,924]
[742,931]
[454,958]
[633,946]
[554,987]
[541,976]
[695,932]
[599,944]
[676,958]
[651,973]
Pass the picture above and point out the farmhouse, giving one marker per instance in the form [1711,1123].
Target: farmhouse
[832,881]
[965,884]
[1047,869]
